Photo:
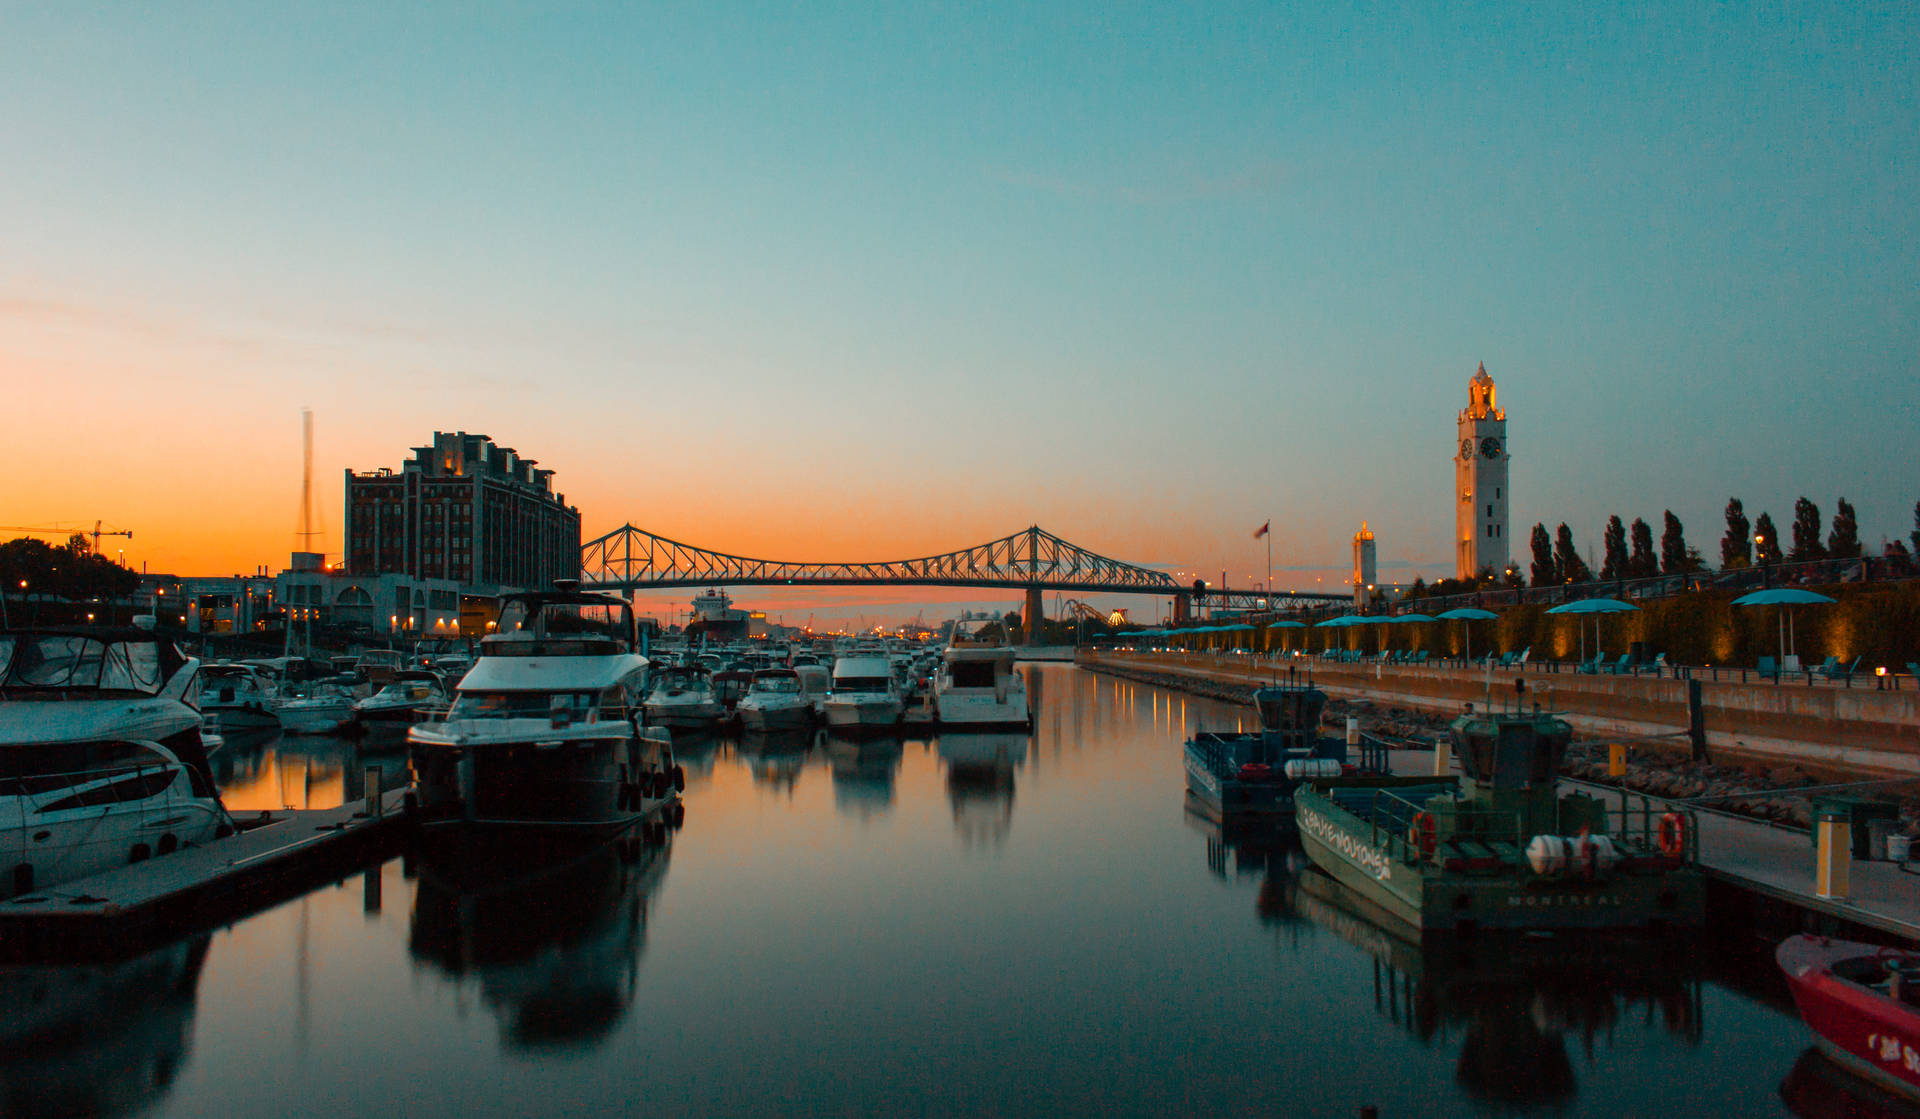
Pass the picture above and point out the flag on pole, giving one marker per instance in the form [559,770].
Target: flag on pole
[1262,530]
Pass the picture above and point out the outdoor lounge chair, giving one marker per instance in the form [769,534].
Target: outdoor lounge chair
[1834,670]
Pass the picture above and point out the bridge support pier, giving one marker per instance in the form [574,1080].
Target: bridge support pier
[1182,609]
[1031,617]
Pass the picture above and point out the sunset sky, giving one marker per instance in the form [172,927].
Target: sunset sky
[865,282]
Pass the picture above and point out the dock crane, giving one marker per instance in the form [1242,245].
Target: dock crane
[97,532]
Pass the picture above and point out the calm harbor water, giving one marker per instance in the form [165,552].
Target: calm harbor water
[975,926]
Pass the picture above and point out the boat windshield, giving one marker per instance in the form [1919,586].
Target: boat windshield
[862,683]
[521,705]
[541,618]
[785,685]
[80,661]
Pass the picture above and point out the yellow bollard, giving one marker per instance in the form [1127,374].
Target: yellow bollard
[1616,759]
[1833,858]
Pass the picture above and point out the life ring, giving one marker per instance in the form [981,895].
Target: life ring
[1424,834]
[1673,835]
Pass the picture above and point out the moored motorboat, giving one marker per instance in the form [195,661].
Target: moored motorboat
[865,693]
[1862,1002]
[682,697]
[242,695]
[775,702]
[101,754]
[324,709]
[413,695]
[542,732]
[977,686]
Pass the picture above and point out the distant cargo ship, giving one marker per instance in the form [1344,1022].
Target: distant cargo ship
[714,616]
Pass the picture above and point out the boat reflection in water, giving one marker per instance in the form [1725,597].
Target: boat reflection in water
[1817,1088]
[96,1039]
[1513,998]
[980,782]
[776,759]
[863,775]
[554,947]
[1239,849]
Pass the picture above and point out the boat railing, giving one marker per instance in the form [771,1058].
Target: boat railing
[1636,825]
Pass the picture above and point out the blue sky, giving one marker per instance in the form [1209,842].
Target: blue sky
[844,281]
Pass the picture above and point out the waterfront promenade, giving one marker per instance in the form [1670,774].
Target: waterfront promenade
[1751,855]
[1827,728]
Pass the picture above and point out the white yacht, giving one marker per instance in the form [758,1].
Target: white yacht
[682,696]
[775,702]
[541,733]
[241,695]
[977,686]
[323,709]
[413,695]
[815,680]
[865,693]
[101,754]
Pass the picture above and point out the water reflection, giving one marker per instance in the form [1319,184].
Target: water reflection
[980,783]
[1514,1000]
[554,947]
[1819,1089]
[1239,850]
[776,759]
[864,772]
[96,1039]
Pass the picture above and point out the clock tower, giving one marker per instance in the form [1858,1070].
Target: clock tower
[1480,482]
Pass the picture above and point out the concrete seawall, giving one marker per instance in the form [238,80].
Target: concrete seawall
[1845,730]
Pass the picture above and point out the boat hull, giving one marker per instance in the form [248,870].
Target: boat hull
[863,713]
[686,716]
[304,718]
[1862,1029]
[1224,797]
[568,781]
[235,716]
[982,710]
[1380,867]
[764,719]
[65,846]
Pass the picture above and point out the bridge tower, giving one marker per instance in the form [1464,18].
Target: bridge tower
[1032,616]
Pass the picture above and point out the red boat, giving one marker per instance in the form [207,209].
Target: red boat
[1862,1002]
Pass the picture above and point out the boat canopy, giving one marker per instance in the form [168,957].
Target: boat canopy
[103,660]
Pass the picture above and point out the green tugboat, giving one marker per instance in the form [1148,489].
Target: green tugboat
[1501,847]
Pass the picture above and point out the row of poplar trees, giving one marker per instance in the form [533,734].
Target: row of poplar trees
[1630,554]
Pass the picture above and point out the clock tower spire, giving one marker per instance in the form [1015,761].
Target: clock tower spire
[1480,482]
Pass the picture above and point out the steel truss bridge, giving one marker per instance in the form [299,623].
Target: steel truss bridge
[1033,560]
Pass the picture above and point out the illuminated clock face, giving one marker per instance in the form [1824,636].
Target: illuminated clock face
[1489,447]
[1466,448]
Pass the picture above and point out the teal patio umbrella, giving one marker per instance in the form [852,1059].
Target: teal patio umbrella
[1595,606]
[1463,615]
[1784,597]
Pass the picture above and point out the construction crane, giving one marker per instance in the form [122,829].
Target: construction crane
[96,533]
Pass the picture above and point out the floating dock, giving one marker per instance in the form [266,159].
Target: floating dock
[198,888]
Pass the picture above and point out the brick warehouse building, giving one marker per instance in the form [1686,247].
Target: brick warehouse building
[464,510]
